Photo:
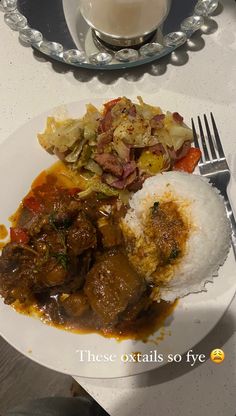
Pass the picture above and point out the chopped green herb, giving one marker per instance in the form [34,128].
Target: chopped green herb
[155,207]
[61,259]
[52,221]
[175,252]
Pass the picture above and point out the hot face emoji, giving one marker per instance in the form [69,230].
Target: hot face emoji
[217,356]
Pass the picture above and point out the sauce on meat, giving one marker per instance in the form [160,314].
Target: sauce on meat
[66,263]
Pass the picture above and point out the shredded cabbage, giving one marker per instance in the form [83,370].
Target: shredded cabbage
[95,185]
[125,130]
[60,135]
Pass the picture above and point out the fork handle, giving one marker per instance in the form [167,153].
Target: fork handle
[231,217]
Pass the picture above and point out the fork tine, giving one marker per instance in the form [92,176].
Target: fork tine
[210,141]
[217,139]
[195,139]
[196,144]
[204,146]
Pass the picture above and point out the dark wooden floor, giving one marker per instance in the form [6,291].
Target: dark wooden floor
[21,380]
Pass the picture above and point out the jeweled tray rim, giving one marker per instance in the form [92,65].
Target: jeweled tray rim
[107,60]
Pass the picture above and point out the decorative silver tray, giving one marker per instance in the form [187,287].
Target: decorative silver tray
[57,29]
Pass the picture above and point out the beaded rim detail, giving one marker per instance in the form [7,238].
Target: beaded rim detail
[106,59]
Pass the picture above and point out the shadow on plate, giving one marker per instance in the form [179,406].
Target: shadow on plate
[217,338]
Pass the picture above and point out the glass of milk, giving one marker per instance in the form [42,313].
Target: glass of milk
[124,21]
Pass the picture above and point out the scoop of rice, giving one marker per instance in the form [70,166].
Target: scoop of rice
[208,241]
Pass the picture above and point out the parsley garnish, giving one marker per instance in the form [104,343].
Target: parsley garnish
[61,259]
[155,207]
[175,252]
[52,222]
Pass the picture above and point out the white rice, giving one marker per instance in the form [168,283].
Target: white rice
[209,240]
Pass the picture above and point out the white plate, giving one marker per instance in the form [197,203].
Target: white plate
[21,160]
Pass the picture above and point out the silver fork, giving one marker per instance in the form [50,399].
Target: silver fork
[214,166]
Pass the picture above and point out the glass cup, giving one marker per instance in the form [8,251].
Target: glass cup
[124,22]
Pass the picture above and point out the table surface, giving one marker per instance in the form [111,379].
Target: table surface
[199,77]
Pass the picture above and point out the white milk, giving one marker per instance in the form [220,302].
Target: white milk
[124,18]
